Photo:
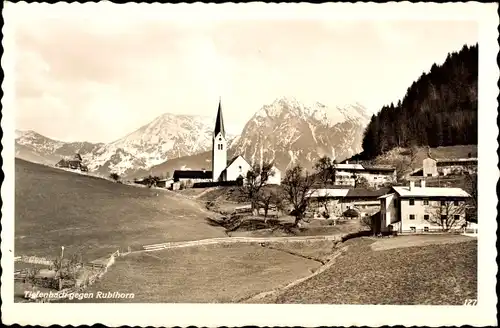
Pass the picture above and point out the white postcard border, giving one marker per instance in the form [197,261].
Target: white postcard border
[272,315]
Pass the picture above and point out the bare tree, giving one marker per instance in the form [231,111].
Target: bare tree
[412,156]
[406,163]
[267,199]
[448,214]
[256,178]
[297,187]
[151,181]
[325,169]
[471,188]
[367,221]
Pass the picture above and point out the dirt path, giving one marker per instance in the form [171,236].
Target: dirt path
[206,191]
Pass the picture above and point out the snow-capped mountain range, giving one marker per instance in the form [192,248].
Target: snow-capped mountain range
[289,132]
[286,131]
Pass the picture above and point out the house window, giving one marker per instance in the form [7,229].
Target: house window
[429,174]
[426,229]
[426,217]
[456,217]
[412,216]
[239,167]
[413,229]
[455,202]
[426,202]
[412,201]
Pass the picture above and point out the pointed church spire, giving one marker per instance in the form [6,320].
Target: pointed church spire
[219,122]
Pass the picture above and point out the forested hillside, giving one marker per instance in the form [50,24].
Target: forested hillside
[439,109]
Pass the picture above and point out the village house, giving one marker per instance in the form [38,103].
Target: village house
[422,209]
[433,167]
[165,183]
[347,174]
[338,200]
[190,177]
[74,163]
[223,170]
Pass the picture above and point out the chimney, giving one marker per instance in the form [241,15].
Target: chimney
[412,185]
[422,184]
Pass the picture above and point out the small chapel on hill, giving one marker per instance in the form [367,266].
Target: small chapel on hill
[222,169]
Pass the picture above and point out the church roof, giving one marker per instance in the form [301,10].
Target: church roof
[192,174]
[229,162]
[219,122]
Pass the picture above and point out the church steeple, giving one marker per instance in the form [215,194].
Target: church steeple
[219,122]
[219,148]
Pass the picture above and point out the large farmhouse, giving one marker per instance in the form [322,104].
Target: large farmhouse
[433,167]
[222,170]
[339,200]
[423,209]
[75,163]
[347,174]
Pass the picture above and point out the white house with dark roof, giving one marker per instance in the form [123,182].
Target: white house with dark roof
[347,173]
[339,200]
[423,209]
[433,167]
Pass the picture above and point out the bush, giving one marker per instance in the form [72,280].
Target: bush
[114,176]
[351,213]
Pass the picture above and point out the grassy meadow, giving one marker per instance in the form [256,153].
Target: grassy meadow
[207,274]
[94,216]
[434,274]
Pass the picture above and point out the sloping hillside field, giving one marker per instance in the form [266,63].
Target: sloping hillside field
[55,208]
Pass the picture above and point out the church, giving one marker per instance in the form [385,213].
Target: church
[222,169]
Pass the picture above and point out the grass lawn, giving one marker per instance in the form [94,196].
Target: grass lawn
[55,208]
[418,240]
[435,274]
[212,274]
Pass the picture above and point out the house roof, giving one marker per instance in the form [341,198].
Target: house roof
[430,192]
[349,167]
[386,195]
[231,161]
[456,161]
[379,168]
[366,193]
[219,122]
[417,172]
[192,174]
[331,193]
[360,167]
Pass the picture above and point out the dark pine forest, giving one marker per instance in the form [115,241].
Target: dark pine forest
[439,109]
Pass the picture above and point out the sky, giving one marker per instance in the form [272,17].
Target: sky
[97,76]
